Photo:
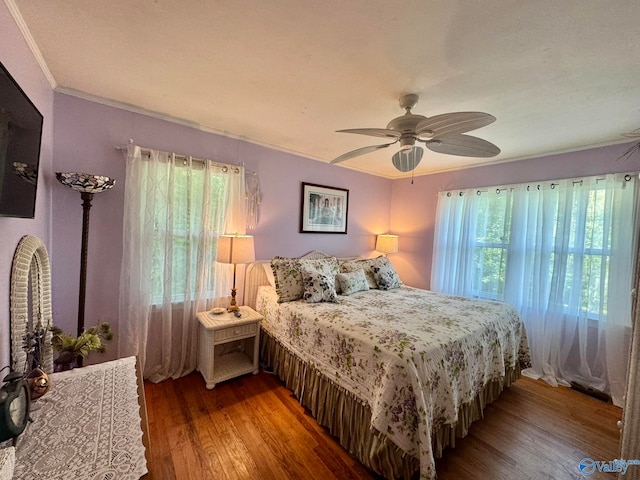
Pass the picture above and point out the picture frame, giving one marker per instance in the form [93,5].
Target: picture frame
[323,209]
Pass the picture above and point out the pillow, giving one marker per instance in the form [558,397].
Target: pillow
[288,275]
[386,276]
[366,264]
[269,272]
[352,282]
[318,285]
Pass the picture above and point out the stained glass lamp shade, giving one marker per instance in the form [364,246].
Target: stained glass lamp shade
[84,182]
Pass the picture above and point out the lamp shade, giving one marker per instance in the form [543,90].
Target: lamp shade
[387,243]
[408,159]
[235,249]
[85,182]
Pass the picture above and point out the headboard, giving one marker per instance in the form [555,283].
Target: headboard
[255,275]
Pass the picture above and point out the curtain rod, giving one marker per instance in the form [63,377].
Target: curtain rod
[147,151]
[553,184]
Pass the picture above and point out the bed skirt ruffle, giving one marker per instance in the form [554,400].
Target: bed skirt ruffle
[348,418]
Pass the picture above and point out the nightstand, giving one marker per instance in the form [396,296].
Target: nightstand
[228,346]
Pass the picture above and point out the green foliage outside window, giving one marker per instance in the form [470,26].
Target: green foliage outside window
[492,240]
[182,236]
[585,262]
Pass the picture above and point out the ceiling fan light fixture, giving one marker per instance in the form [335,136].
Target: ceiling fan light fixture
[407,142]
[407,159]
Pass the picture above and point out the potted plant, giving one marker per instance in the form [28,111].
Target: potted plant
[69,348]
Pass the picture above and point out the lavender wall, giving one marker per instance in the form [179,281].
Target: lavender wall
[18,60]
[85,136]
[413,207]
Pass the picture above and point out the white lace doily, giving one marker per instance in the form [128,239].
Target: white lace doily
[86,427]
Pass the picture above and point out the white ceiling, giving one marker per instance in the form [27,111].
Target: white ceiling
[559,75]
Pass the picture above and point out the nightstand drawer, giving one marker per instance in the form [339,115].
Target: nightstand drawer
[233,332]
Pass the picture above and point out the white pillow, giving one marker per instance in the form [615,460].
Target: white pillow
[352,282]
[318,285]
[366,264]
[288,276]
[386,276]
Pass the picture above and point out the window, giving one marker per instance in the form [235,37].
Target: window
[179,234]
[491,244]
[563,254]
[559,236]
[175,208]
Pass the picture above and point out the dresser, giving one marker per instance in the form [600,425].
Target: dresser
[89,425]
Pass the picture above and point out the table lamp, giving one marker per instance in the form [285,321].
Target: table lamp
[387,243]
[235,249]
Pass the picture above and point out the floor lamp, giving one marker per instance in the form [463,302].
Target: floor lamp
[87,185]
[235,249]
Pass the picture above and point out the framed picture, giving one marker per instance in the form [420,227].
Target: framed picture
[323,209]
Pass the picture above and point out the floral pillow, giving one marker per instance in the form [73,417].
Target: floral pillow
[366,264]
[386,276]
[352,282]
[318,286]
[287,273]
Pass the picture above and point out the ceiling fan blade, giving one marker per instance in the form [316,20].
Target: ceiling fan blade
[633,134]
[463,146]
[376,132]
[453,123]
[360,151]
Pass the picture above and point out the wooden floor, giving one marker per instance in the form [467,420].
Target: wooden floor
[253,428]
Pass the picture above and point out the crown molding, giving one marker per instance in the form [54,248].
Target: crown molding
[180,121]
[26,33]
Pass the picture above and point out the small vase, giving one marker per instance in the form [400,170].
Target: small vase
[38,382]
[65,362]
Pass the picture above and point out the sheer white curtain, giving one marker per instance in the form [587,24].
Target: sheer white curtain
[175,209]
[452,265]
[563,254]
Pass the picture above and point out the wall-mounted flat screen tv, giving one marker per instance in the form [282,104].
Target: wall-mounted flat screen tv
[20,136]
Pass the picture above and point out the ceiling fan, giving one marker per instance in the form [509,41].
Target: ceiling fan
[441,133]
[633,148]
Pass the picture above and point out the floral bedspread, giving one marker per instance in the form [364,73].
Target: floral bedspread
[414,356]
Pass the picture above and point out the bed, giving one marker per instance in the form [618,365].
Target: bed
[397,374]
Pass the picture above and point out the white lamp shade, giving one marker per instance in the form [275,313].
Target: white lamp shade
[235,249]
[387,243]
